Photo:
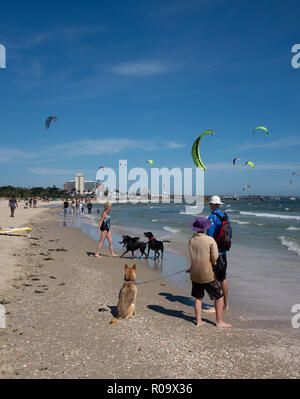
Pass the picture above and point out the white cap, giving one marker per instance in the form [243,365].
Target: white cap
[215,199]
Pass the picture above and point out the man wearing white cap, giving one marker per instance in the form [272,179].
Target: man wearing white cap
[220,230]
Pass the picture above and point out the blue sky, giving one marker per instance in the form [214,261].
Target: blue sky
[141,80]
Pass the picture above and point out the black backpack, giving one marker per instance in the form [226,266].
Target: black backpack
[223,240]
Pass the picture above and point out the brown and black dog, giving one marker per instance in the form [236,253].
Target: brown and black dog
[127,296]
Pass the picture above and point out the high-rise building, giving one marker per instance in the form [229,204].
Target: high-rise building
[79,183]
[69,186]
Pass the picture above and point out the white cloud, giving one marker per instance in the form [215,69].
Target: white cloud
[52,171]
[141,68]
[97,147]
[11,154]
[66,33]
[285,142]
[172,144]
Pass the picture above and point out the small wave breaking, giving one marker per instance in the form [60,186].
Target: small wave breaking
[290,244]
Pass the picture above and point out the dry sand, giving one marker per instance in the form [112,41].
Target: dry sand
[59,300]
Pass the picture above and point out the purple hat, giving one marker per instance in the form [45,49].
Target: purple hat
[200,224]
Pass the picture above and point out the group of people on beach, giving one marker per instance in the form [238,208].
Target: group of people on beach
[28,203]
[76,206]
[207,249]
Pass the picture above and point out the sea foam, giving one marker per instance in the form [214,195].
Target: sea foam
[290,244]
[270,215]
[170,229]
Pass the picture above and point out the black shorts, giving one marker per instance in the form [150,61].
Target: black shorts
[213,289]
[104,229]
[220,268]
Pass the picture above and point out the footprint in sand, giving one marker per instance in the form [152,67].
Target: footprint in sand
[53,277]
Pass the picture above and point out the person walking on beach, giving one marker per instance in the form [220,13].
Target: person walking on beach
[89,207]
[217,217]
[66,208]
[104,226]
[73,208]
[204,254]
[12,203]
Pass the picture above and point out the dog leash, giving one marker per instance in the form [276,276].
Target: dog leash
[160,278]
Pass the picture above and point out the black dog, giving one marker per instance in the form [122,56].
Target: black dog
[155,245]
[133,244]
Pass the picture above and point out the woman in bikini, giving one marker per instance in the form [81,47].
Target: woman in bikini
[104,226]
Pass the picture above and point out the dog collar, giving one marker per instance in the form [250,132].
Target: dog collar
[150,239]
[131,281]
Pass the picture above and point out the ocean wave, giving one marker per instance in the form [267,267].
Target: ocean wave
[270,215]
[239,221]
[290,244]
[293,228]
[154,220]
[170,229]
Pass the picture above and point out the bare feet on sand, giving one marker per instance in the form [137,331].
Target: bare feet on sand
[97,256]
[222,324]
[200,323]
[114,255]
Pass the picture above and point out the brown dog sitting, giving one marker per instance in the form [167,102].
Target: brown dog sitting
[127,296]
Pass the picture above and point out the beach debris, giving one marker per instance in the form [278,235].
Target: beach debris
[103,308]
[236,159]
[250,163]
[2,316]
[195,150]
[49,120]
[261,128]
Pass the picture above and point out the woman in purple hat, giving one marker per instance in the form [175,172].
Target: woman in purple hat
[204,254]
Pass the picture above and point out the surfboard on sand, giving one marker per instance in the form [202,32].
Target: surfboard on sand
[16,230]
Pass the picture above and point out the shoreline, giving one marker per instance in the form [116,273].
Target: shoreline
[246,279]
[55,329]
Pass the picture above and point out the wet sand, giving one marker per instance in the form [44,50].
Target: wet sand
[61,300]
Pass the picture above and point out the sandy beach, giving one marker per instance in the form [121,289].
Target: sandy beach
[59,300]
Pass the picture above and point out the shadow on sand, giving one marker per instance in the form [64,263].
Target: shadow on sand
[176,313]
[183,299]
